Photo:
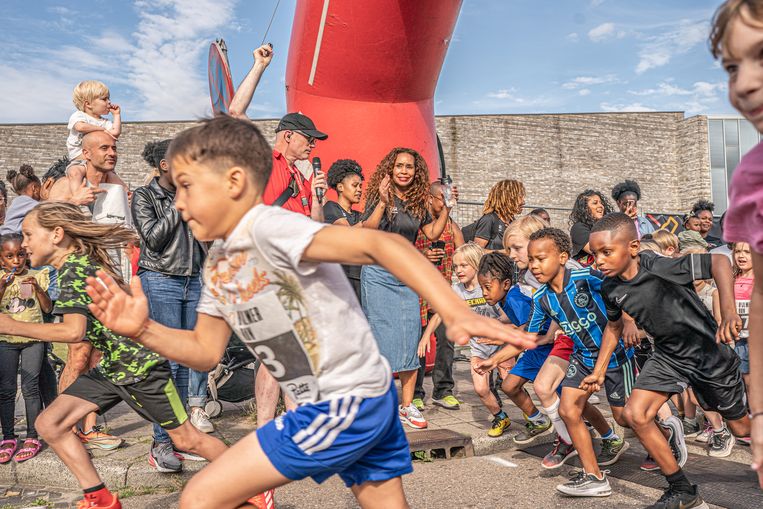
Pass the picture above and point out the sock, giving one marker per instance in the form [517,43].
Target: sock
[679,482]
[691,421]
[500,415]
[557,422]
[610,435]
[98,494]
[537,417]
[719,430]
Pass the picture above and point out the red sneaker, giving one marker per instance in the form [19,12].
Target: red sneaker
[264,500]
[91,502]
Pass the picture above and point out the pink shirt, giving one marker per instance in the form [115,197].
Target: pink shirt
[744,217]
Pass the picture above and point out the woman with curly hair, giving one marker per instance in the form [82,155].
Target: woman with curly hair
[626,195]
[346,178]
[397,202]
[504,202]
[590,206]
[703,209]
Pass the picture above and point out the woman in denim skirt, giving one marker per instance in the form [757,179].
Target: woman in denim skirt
[397,203]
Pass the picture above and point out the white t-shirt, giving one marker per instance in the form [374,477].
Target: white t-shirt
[74,141]
[302,320]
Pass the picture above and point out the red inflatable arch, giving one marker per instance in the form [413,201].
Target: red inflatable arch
[366,73]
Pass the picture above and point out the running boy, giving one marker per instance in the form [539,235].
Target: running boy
[658,292]
[265,279]
[573,299]
[58,234]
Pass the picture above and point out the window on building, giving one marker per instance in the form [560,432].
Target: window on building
[729,139]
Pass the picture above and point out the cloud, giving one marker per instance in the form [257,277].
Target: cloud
[584,91]
[509,98]
[596,3]
[625,108]
[159,65]
[602,32]
[587,81]
[573,37]
[660,49]
[170,40]
[700,97]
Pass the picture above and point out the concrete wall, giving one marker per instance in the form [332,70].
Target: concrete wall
[556,156]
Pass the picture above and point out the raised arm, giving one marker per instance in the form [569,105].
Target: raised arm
[243,96]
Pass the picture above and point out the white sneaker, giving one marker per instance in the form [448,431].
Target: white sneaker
[200,420]
[704,436]
[586,485]
[412,417]
[594,399]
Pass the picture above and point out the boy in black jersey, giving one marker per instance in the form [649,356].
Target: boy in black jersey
[690,349]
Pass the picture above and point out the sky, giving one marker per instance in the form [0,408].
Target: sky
[506,56]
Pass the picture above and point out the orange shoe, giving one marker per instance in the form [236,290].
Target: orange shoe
[97,439]
[264,500]
[91,502]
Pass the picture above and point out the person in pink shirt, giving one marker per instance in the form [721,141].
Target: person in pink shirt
[743,282]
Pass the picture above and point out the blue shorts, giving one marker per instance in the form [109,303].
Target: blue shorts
[742,350]
[359,439]
[531,361]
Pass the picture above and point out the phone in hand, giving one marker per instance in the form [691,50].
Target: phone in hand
[438,244]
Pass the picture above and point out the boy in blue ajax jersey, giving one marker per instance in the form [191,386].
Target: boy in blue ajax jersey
[689,346]
[572,298]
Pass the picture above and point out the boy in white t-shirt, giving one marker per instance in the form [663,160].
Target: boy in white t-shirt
[92,101]
[274,278]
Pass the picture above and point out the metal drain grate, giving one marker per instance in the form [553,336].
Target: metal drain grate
[441,443]
[721,482]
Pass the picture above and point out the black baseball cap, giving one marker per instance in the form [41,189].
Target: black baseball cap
[301,123]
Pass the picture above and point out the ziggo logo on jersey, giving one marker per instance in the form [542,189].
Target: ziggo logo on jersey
[578,325]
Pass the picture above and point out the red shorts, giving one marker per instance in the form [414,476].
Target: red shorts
[562,347]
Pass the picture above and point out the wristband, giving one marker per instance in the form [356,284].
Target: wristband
[756,414]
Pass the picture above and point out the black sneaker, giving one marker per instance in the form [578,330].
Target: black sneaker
[559,455]
[672,499]
[611,450]
[721,443]
[691,429]
[586,485]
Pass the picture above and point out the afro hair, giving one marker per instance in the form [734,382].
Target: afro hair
[629,186]
[703,205]
[557,236]
[341,169]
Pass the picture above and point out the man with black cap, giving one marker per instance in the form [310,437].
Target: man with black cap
[296,136]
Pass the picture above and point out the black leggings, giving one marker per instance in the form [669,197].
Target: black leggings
[31,355]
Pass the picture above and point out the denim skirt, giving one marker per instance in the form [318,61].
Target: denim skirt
[393,312]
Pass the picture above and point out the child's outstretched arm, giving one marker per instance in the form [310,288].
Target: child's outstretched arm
[243,96]
[365,246]
[71,330]
[84,128]
[731,324]
[127,315]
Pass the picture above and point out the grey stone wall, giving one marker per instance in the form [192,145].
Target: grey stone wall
[556,156]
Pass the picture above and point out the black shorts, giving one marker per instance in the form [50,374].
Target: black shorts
[618,382]
[155,397]
[724,393]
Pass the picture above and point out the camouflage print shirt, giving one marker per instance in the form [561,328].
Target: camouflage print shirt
[124,361]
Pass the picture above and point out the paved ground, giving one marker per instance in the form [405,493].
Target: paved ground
[499,475]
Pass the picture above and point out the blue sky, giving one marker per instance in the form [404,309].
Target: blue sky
[507,56]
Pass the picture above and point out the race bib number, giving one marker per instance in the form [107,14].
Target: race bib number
[743,310]
[267,330]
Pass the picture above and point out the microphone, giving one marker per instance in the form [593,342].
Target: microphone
[317,170]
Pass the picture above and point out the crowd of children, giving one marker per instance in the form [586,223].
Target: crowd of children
[663,324]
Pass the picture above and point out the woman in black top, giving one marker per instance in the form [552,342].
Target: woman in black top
[504,202]
[590,206]
[397,199]
[346,178]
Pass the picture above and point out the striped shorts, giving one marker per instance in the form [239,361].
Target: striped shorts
[360,439]
[618,382]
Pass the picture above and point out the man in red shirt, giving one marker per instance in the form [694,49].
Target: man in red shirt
[296,136]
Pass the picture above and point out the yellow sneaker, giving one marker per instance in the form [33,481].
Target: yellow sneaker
[499,426]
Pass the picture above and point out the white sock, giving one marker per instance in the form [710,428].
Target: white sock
[557,422]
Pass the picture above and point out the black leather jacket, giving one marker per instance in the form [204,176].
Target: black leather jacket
[167,244]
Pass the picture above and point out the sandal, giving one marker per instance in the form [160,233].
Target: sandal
[7,448]
[31,449]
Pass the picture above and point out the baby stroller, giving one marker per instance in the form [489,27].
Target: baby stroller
[233,378]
